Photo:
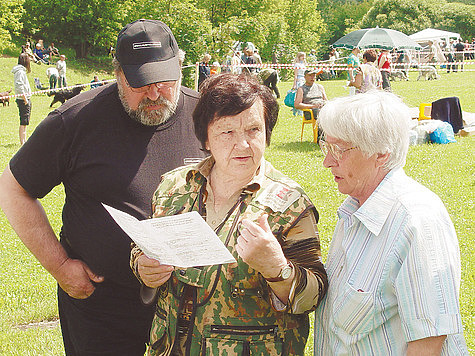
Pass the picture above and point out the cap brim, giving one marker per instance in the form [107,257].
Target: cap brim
[153,72]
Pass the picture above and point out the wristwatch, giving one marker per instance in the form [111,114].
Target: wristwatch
[284,274]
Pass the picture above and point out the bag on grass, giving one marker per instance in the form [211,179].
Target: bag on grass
[443,134]
[289,99]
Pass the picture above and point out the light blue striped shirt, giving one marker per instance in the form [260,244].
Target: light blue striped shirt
[394,273]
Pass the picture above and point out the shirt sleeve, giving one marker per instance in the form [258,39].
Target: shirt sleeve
[302,248]
[427,286]
[39,165]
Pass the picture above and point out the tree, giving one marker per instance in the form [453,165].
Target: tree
[407,16]
[342,18]
[80,24]
[458,18]
[410,16]
[10,14]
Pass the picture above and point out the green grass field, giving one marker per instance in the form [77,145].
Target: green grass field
[28,293]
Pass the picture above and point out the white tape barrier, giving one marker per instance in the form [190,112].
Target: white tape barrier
[46,91]
[322,65]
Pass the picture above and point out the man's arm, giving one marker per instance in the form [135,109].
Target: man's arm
[29,220]
[429,346]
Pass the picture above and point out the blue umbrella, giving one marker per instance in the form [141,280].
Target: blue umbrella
[383,38]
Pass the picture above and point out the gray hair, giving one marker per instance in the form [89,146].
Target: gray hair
[376,122]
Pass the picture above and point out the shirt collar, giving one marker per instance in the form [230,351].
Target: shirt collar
[204,168]
[376,209]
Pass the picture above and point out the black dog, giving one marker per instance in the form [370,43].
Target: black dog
[64,94]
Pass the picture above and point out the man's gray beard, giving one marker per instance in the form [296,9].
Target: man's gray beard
[150,117]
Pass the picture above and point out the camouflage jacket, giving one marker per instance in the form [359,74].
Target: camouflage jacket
[232,311]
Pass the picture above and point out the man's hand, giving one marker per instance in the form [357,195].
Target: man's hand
[259,248]
[152,273]
[75,278]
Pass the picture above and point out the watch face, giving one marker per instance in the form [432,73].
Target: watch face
[286,272]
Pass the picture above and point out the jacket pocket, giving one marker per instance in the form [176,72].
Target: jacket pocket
[160,341]
[353,311]
[242,340]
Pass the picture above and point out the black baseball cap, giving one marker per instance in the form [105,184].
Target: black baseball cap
[148,53]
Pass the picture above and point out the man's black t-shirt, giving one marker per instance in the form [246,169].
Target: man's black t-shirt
[101,155]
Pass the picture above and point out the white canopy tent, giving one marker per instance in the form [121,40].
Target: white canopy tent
[431,34]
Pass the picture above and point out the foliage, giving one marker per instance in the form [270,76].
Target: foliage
[28,291]
[410,16]
[10,25]
[458,18]
[80,24]
[340,19]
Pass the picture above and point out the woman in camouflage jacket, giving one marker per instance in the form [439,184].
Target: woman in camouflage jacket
[259,305]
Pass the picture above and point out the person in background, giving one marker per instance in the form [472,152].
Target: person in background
[353,63]
[269,77]
[248,58]
[384,66]
[61,67]
[257,59]
[52,50]
[260,304]
[95,82]
[235,63]
[310,95]
[23,90]
[394,263]
[312,56]
[109,145]
[333,57]
[215,68]
[29,52]
[40,55]
[204,69]
[300,65]
[53,77]
[368,76]
[459,57]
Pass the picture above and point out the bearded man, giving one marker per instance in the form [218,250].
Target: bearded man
[109,145]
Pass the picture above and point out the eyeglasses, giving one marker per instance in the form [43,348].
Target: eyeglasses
[335,150]
[146,88]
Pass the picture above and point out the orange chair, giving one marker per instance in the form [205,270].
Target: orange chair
[311,121]
[425,111]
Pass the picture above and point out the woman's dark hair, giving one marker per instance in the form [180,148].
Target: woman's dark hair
[228,95]
[24,60]
[370,55]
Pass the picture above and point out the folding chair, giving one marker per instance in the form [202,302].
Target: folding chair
[309,119]
[425,111]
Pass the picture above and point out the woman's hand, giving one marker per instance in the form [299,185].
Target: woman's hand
[259,248]
[152,273]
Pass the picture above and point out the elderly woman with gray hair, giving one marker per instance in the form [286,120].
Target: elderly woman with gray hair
[394,262]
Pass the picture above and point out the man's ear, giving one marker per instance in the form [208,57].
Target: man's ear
[382,158]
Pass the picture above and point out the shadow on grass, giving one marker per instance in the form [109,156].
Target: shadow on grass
[9,145]
[305,146]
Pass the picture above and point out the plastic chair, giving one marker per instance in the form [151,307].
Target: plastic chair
[425,111]
[311,121]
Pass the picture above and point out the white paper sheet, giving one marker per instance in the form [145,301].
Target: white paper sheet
[183,240]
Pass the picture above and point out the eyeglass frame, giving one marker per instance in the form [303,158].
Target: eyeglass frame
[337,153]
[158,85]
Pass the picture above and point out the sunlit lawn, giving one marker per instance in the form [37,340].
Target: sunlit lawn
[28,293]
